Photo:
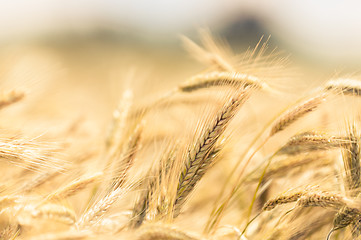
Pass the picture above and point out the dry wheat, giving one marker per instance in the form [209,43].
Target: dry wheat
[345,86]
[74,187]
[10,98]
[217,79]
[282,199]
[163,232]
[297,112]
[198,153]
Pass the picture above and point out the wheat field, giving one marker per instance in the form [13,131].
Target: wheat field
[237,151]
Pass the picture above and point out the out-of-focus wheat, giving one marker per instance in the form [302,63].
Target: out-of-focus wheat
[164,165]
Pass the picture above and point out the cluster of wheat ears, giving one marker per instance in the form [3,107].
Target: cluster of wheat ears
[226,176]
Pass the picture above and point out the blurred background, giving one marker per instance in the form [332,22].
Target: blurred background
[79,56]
[328,31]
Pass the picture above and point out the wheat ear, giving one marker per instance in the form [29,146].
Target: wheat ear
[154,181]
[282,199]
[28,155]
[10,232]
[287,118]
[74,187]
[68,235]
[7,201]
[100,208]
[351,160]
[345,216]
[323,199]
[38,180]
[163,232]
[214,79]
[9,98]
[198,153]
[296,113]
[54,212]
[344,85]
[140,208]
[120,115]
[124,158]
[311,141]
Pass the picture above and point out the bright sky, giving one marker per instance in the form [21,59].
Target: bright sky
[331,28]
[21,17]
